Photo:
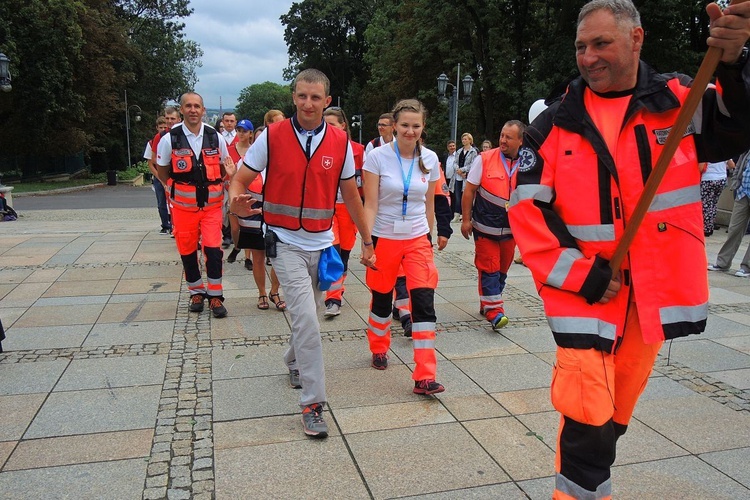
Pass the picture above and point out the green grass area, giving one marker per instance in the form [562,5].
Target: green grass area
[30,187]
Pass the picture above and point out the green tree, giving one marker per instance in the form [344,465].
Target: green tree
[256,99]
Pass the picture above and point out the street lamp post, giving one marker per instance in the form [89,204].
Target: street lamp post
[5,78]
[127,121]
[453,101]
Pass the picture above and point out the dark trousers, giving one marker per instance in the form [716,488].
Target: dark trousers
[161,204]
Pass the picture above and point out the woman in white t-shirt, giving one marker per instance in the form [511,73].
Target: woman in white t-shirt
[399,183]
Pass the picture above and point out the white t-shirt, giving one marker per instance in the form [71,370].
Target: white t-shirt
[256,159]
[475,173]
[715,171]
[164,149]
[384,163]
[148,153]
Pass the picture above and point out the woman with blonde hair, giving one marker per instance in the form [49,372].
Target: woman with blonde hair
[464,157]
[273,116]
[399,184]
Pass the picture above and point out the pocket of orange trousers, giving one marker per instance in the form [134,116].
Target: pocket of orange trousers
[583,388]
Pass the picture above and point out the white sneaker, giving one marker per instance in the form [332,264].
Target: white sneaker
[742,274]
[332,310]
[712,267]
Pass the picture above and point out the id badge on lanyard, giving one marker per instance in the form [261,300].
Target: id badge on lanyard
[404,226]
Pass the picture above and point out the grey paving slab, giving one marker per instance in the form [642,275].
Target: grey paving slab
[391,416]
[242,362]
[14,275]
[262,325]
[525,401]
[124,479]
[538,489]
[86,314]
[264,430]
[6,288]
[29,378]
[45,337]
[718,327]
[69,450]
[471,407]
[100,373]
[81,288]
[6,448]
[544,425]
[83,274]
[706,356]
[73,301]
[476,344]
[724,296]
[684,421]
[99,410]
[507,491]
[367,386]
[741,344]
[416,462]
[507,373]
[44,275]
[682,477]
[534,339]
[254,397]
[321,468]
[11,315]
[24,295]
[349,354]
[136,332]
[145,297]
[138,311]
[739,379]
[743,319]
[16,413]
[662,388]
[733,463]
[517,449]
[349,319]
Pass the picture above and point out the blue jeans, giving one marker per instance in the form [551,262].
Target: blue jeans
[161,204]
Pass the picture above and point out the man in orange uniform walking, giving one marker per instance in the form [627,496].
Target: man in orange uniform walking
[193,159]
[485,200]
[592,153]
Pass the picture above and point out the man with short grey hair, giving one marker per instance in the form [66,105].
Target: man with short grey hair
[590,155]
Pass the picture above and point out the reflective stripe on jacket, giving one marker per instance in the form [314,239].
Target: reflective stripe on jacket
[489,216]
[573,200]
[299,193]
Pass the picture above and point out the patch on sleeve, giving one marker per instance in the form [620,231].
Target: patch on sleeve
[527,159]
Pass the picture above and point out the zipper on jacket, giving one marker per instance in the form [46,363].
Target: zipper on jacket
[618,211]
[644,151]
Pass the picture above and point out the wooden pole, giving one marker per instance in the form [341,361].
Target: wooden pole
[701,81]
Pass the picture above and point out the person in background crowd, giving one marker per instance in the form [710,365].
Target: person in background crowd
[344,230]
[229,122]
[399,183]
[385,131]
[489,185]
[158,187]
[589,155]
[247,232]
[273,116]
[713,181]
[486,145]
[738,221]
[464,158]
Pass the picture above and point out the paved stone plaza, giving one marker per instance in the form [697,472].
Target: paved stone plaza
[109,388]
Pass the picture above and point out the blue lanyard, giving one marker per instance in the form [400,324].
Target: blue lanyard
[406,179]
[505,166]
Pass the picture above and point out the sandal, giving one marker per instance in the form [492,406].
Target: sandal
[280,304]
[263,302]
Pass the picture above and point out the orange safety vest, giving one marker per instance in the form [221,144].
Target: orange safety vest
[442,186]
[358,151]
[574,199]
[489,216]
[300,193]
[195,183]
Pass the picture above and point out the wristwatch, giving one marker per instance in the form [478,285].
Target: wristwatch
[739,63]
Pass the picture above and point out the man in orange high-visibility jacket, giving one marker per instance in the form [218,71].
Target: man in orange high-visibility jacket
[193,159]
[591,153]
[485,200]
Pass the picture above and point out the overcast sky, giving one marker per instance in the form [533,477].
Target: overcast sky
[242,42]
